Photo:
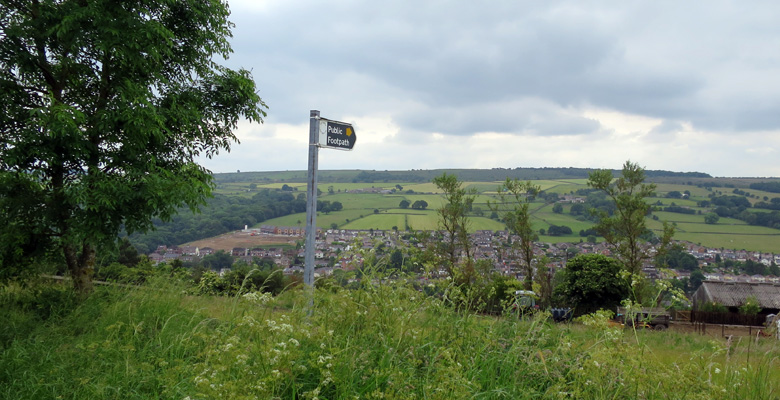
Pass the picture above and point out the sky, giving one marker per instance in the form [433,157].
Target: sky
[679,86]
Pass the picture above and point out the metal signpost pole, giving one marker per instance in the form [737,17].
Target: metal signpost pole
[311,200]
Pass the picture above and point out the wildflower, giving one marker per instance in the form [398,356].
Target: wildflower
[717,370]
[294,342]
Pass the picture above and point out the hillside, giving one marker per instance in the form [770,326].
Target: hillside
[252,199]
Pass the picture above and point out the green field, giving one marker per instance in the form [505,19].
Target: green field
[377,221]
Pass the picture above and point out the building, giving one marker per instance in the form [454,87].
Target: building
[732,295]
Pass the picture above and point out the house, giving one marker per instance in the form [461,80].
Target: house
[190,251]
[156,258]
[734,294]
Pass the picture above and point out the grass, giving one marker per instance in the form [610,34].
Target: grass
[730,241]
[387,341]
[377,221]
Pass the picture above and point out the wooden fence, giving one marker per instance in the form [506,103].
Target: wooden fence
[726,318]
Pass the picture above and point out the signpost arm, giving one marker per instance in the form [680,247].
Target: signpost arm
[311,200]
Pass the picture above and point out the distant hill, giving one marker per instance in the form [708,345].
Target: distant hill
[469,175]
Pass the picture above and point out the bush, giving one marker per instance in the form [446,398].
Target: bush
[712,306]
[750,307]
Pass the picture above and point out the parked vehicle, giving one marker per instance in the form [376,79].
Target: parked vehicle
[653,318]
[526,299]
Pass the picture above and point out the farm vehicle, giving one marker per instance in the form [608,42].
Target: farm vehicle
[652,318]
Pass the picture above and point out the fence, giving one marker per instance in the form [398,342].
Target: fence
[725,318]
[725,330]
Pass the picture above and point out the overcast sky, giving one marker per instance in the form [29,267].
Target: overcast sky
[681,86]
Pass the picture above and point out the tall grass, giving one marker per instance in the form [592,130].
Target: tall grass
[385,341]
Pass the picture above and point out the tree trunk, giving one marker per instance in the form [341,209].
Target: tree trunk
[80,267]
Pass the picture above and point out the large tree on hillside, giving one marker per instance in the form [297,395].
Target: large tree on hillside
[625,228]
[512,205]
[454,222]
[104,107]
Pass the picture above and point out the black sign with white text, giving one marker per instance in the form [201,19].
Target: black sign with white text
[337,135]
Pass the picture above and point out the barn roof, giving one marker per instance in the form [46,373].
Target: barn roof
[734,294]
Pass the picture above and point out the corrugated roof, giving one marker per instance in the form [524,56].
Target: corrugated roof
[733,294]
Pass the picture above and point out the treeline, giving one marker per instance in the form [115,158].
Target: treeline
[221,214]
[737,207]
[467,175]
[773,187]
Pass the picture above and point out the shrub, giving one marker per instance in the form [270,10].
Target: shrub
[750,307]
[712,306]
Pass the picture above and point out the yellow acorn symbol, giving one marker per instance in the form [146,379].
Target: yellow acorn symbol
[349,131]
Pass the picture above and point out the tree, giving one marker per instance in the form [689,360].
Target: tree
[396,259]
[336,206]
[624,229]
[750,306]
[420,205]
[677,258]
[454,221]
[514,197]
[711,218]
[219,260]
[593,281]
[324,206]
[674,194]
[557,208]
[105,109]
[577,209]
[404,204]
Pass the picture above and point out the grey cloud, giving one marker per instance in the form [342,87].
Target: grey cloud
[452,58]
[666,127]
[533,117]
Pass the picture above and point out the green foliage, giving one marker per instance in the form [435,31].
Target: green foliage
[218,260]
[221,214]
[593,281]
[404,204]
[512,205]
[454,221]
[711,218]
[104,111]
[420,205]
[711,306]
[750,307]
[679,259]
[380,341]
[624,228]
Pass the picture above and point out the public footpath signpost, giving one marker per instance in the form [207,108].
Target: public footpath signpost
[330,135]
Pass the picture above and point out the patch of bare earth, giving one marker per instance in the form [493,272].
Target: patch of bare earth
[228,241]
